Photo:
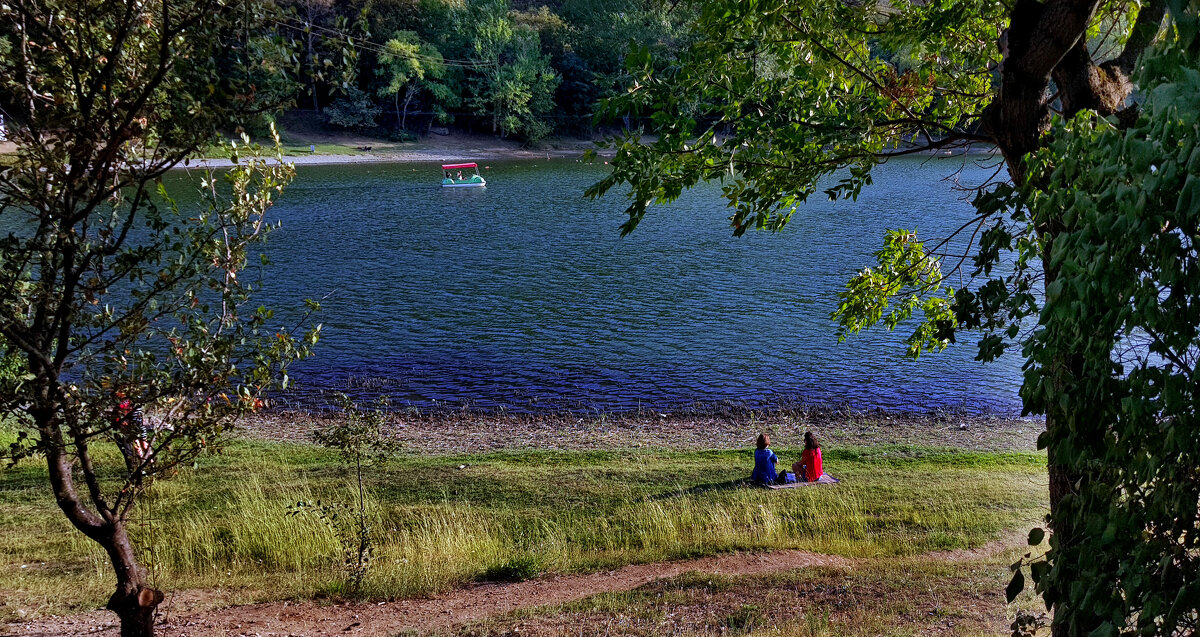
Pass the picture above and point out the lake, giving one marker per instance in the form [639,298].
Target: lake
[523,296]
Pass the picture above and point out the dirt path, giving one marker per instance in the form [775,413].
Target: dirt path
[455,607]
[459,606]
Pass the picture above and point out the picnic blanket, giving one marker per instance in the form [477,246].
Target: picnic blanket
[824,479]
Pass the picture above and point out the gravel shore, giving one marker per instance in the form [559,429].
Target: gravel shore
[472,432]
[435,154]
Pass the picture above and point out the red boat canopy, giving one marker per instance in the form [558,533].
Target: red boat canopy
[446,166]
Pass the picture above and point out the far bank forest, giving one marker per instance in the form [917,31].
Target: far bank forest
[401,68]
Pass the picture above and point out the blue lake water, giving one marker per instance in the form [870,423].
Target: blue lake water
[524,296]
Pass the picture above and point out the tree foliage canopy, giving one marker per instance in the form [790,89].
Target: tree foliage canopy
[1083,255]
[1124,311]
[802,91]
[130,312]
[519,69]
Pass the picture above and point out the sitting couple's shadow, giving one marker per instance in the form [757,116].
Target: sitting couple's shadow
[703,488]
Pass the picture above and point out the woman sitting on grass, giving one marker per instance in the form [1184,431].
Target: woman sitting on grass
[764,464]
[809,468]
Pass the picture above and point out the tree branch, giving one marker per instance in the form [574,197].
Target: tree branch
[1038,38]
[1145,30]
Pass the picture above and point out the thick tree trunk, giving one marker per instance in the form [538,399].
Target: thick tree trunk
[1038,37]
[1063,374]
[134,601]
[1046,41]
[1062,484]
[1066,477]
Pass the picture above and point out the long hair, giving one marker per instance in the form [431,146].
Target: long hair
[763,441]
[810,441]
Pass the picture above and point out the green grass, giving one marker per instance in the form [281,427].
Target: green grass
[321,149]
[507,515]
[289,149]
[887,596]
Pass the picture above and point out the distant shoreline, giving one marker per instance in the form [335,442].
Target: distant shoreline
[731,427]
[414,156]
[452,154]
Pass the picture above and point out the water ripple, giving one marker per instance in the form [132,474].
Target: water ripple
[523,296]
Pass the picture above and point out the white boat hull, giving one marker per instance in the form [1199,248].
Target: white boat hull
[475,185]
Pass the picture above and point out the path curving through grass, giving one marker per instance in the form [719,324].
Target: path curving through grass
[470,604]
[594,521]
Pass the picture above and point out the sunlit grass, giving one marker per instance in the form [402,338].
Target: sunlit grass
[289,149]
[913,595]
[321,149]
[506,514]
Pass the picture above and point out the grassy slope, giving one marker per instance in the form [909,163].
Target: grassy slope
[224,524]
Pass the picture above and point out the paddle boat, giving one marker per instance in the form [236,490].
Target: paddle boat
[454,178]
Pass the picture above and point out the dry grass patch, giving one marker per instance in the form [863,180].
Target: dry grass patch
[890,596]
[444,521]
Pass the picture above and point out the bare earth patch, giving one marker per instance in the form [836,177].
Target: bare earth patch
[443,611]
[466,606]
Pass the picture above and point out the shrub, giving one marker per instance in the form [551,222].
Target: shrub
[355,111]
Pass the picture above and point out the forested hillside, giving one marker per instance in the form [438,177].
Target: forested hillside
[518,69]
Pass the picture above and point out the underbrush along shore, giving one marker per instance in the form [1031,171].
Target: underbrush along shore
[462,505]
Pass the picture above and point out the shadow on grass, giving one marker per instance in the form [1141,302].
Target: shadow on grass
[701,489]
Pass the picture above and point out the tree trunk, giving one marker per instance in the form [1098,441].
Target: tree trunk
[1039,37]
[312,70]
[134,601]
[408,95]
[1065,482]
[1062,484]
[1064,372]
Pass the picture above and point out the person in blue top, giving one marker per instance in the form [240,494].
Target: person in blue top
[764,464]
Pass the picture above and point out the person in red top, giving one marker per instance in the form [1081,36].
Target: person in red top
[809,468]
[131,424]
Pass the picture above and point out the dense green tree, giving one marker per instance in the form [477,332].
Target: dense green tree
[577,93]
[519,95]
[127,310]
[601,32]
[445,25]
[600,35]
[309,27]
[780,101]
[385,17]
[513,84]
[1122,316]
[410,67]
[343,57]
[269,78]
[329,41]
[521,70]
[552,30]
[355,110]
